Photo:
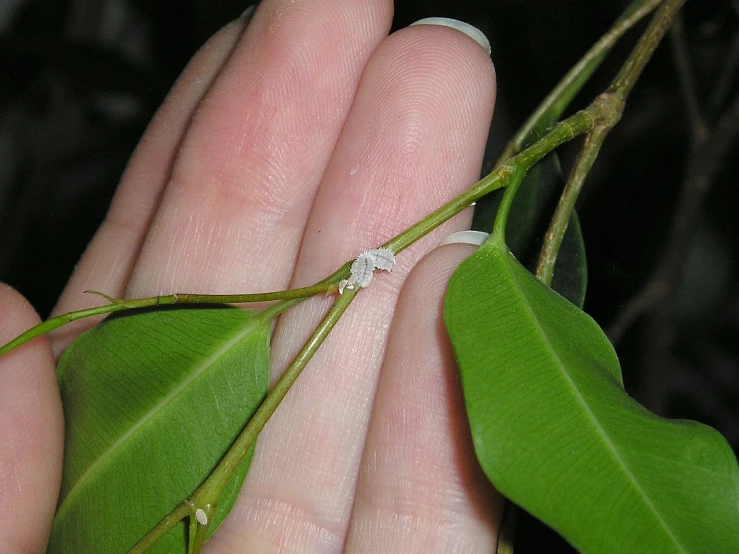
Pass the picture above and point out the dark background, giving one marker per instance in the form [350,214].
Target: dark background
[80,79]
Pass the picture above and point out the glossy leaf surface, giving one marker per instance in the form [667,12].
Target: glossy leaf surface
[152,401]
[555,431]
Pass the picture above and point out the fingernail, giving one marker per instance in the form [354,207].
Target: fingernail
[475,238]
[248,12]
[473,32]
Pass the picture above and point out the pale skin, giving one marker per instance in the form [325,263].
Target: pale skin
[283,151]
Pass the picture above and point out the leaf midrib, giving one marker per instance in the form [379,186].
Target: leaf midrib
[586,408]
[251,327]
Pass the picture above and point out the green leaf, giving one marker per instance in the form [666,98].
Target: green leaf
[152,401]
[555,431]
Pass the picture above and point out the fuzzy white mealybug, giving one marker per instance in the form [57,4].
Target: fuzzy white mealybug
[201,516]
[363,268]
[383,258]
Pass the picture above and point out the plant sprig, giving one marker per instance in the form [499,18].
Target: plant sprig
[206,496]
[553,105]
[595,121]
[561,133]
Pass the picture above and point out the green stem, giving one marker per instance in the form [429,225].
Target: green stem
[206,496]
[489,183]
[326,286]
[56,322]
[563,132]
[560,97]
[197,535]
[607,110]
[566,205]
[188,298]
[642,53]
[517,166]
[559,134]
[501,218]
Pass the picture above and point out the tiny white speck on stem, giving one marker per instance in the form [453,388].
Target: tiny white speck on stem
[201,516]
[349,283]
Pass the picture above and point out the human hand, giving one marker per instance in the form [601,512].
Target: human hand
[282,152]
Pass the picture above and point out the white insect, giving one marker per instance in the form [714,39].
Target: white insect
[363,268]
[383,258]
[201,516]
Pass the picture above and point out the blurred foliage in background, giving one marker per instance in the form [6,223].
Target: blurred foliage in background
[80,79]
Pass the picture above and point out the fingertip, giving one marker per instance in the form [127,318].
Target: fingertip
[451,37]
